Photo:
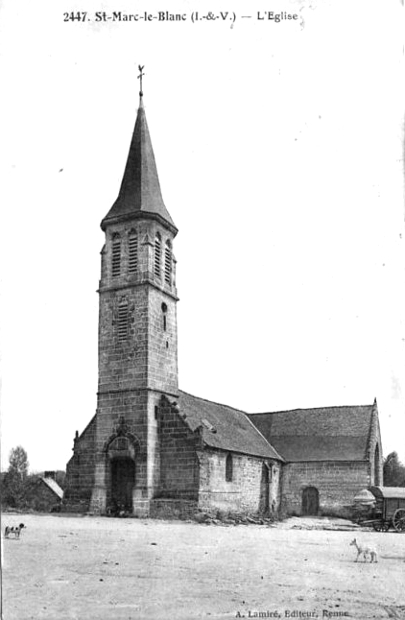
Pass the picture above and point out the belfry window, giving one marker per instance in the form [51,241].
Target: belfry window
[158,254]
[229,468]
[133,251]
[122,322]
[168,263]
[116,255]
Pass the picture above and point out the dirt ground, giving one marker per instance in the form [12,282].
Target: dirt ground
[88,568]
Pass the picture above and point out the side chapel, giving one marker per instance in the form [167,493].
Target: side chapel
[154,450]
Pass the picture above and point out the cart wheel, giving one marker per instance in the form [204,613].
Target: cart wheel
[398,520]
[381,526]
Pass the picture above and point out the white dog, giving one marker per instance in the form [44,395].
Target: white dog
[364,551]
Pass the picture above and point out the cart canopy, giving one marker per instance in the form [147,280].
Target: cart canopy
[388,492]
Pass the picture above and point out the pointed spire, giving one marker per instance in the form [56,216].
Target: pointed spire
[140,193]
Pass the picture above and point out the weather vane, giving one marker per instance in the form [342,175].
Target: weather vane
[140,76]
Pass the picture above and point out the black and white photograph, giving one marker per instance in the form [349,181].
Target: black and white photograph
[202,310]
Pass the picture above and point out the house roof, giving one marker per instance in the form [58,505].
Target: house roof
[224,427]
[53,485]
[322,434]
[140,194]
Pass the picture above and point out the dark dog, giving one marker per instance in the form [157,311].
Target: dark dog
[13,530]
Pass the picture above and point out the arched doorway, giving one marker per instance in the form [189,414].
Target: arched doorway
[310,501]
[121,474]
[122,483]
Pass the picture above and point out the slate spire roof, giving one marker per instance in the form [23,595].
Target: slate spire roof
[140,194]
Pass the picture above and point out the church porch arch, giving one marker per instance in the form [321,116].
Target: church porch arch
[122,473]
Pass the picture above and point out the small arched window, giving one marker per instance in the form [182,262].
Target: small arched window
[133,251]
[164,316]
[158,254]
[116,255]
[168,263]
[229,468]
[122,321]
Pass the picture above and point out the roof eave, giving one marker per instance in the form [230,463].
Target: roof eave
[290,461]
[253,454]
[137,215]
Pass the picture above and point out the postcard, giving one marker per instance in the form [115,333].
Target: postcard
[202,309]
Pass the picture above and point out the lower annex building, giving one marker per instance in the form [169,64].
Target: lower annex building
[154,450]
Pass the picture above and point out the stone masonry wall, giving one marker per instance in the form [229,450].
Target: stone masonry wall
[162,339]
[179,471]
[244,493]
[172,508]
[123,364]
[131,406]
[80,472]
[337,483]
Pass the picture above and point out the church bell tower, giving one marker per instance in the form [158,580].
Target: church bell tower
[137,345]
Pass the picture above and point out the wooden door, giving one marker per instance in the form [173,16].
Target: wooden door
[310,501]
[122,483]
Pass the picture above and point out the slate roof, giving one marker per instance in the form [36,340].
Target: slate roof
[140,188]
[53,485]
[323,434]
[231,428]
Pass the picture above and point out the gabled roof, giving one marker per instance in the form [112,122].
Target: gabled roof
[140,193]
[224,427]
[53,485]
[322,434]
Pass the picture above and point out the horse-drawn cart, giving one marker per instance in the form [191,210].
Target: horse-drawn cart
[383,507]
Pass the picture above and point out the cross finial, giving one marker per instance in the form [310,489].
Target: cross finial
[140,76]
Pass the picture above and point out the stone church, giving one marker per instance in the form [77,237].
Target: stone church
[154,450]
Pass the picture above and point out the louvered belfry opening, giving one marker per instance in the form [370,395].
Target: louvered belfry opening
[168,263]
[116,256]
[158,254]
[123,321]
[133,252]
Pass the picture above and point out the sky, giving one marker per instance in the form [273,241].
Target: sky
[279,148]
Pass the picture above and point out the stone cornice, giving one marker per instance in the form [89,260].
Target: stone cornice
[129,285]
[137,215]
[145,389]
